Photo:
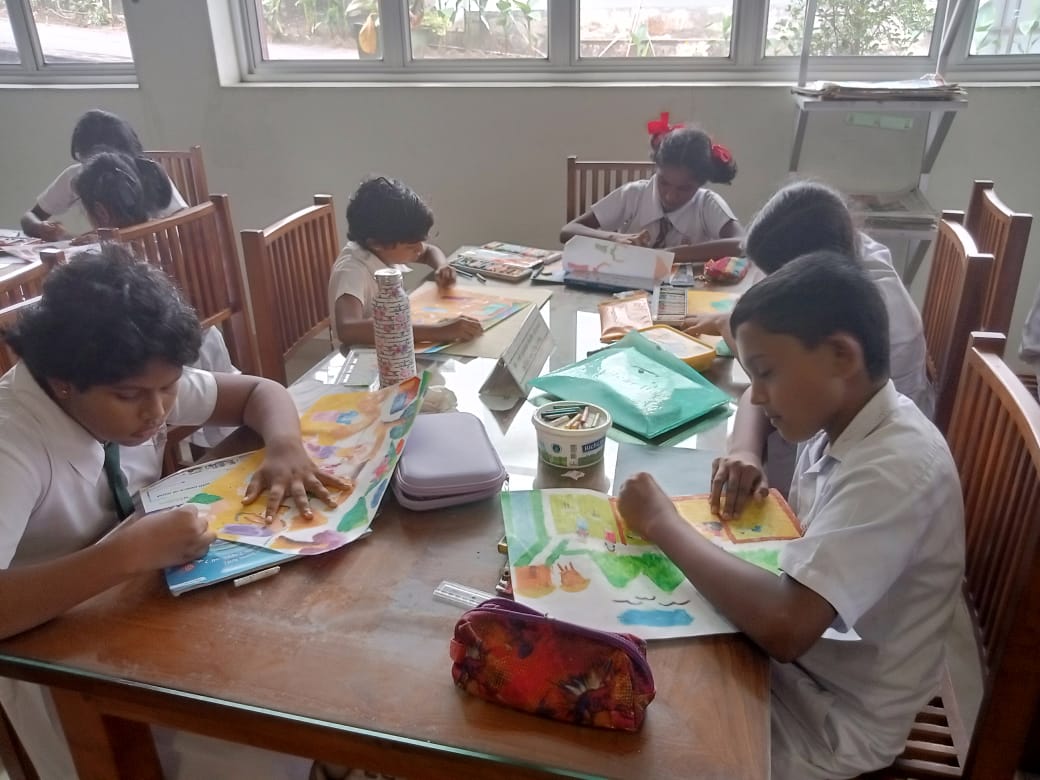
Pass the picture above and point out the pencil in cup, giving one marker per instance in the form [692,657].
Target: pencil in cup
[571,434]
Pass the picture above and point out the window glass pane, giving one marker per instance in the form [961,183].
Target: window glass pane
[8,49]
[478,29]
[81,31]
[851,28]
[663,28]
[320,29]
[1006,27]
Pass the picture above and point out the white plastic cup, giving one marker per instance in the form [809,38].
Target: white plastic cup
[571,448]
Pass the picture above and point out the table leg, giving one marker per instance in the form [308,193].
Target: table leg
[103,746]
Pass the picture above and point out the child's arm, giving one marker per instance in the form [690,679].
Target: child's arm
[739,472]
[729,244]
[588,225]
[268,409]
[443,273]
[353,328]
[711,325]
[152,542]
[779,614]
[37,223]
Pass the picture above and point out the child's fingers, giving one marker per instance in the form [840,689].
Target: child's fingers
[274,500]
[319,491]
[300,498]
[253,490]
[331,480]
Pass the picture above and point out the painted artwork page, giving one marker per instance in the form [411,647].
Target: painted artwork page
[431,305]
[356,436]
[572,558]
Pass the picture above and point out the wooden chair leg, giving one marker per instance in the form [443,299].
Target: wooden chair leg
[12,753]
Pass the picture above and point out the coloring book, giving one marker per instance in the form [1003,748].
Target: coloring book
[572,558]
[358,437]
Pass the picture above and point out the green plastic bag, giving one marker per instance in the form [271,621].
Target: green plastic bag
[646,389]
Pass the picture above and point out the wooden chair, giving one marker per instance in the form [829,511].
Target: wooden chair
[195,247]
[995,440]
[953,304]
[288,266]
[186,171]
[1003,233]
[21,289]
[588,181]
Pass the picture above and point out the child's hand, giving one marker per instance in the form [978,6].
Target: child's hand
[635,239]
[167,538]
[459,329]
[644,506]
[52,231]
[445,276]
[288,469]
[86,238]
[740,476]
[704,324]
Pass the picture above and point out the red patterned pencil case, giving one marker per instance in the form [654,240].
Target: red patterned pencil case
[510,654]
[726,270]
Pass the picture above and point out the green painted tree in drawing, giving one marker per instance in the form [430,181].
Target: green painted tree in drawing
[854,27]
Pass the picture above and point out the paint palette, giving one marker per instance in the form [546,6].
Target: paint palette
[496,265]
[671,304]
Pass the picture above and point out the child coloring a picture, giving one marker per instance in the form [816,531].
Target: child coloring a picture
[672,209]
[877,493]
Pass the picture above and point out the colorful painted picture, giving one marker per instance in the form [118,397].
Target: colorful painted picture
[431,305]
[572,558]
[356,436]
[709,301]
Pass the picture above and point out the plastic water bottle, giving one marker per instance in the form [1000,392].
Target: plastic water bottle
[392,318]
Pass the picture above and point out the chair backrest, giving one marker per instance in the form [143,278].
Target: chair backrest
[186,171]
[952,308]
[1003,233]
[8,317]
[994,436]
[195,247]
[19,290]
[588,181]
[288,266]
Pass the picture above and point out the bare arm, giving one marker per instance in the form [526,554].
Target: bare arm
[37,223]
[588,225]
[780,615]
[353,328]
[729,244]
[738,476]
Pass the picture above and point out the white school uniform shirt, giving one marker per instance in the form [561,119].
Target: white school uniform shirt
[56,501]
[884,545]
[353,274]
[60,195]
[908,354]
[636,206]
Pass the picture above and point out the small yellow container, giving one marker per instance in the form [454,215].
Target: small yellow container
[691,351]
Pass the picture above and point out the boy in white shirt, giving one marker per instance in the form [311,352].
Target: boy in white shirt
[387,226]
[878,496]
[83,417]
[671,210]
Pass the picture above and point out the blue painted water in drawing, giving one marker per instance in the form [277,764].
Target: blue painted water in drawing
[658,618]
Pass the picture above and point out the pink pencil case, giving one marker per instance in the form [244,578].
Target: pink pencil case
[448,460]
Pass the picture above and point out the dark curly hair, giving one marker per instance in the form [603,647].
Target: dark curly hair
[131,189]
[102,319]
[693,150]
[97,128]
[388,212]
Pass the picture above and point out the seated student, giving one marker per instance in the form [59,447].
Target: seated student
[118,191]
[672,209]
[801,218]
[879,499]
[387,225]
[82,426]
[95,130]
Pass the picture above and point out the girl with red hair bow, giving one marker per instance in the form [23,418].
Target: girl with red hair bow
[671,210]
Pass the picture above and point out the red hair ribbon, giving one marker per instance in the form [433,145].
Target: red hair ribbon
[721,153]
[659,128]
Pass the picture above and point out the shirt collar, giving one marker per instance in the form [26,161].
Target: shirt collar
[366,258]
[65,437]
[652,210]
[866,421]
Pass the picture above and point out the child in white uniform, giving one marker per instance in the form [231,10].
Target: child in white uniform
[672,209]
[82,426]
[878,496]
[801,218]
[94,132]
[387,226]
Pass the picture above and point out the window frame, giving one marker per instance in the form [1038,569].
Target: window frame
[747,61]
[33,67]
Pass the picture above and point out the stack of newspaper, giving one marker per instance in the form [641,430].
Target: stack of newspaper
[902,210]
[927,88]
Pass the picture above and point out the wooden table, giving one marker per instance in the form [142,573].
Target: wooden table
[344,657]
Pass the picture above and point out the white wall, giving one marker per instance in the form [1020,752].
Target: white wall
[489,159]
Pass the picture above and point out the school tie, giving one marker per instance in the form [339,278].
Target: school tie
[663,226]
[117,482]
